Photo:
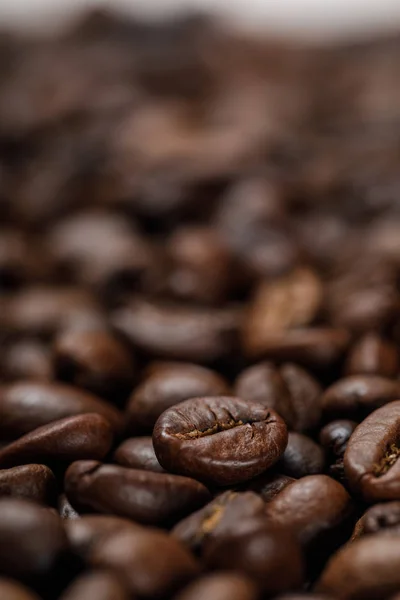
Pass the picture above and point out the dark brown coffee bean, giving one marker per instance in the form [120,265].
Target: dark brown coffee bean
[373,355]
[367,568]
[356,396]
[334,438]
[74,438]
[31,538]
[145,497]
[98,585]
[268,485]
[94,360]
[302,457]
[167,384]
[25,406]
[218,518]
[314,508]
[13,590]
[27,359]
[224,439]
[370,460]
[32,482]
[135,555]
[269,555]
[178,331]
[220,586]
[380,518]
[138,453]
[65,509]
[305,393]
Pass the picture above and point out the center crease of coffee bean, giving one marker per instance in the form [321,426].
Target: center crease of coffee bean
[388,460]
[217,428]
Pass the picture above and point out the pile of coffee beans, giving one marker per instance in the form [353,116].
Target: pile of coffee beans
[199,315]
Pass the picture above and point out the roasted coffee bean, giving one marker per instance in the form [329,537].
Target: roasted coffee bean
[74,438]
[269,555]
[224,440]
[135,555]
[316,508]
[380,518]
[373,355]
[94,360]
[167,384]
[334,438]
[27,359]
[268,485]
[98,585]
[13,590]
[370,460]
[305,394]
[138,453]
[218,518]
[356,396]
[32,482]
[65,509]
[32,538]
[25,406]
[220,586]
[367,568]
[180,332]
[145,497]
[302,457]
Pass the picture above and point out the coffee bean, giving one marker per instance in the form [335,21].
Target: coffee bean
[94,360]
[268,485]
[220,586]
[32,482]
[334,438]
[27,359]
[31,538]
[224,439]
[98,585]
[367,568]
[65,509]
[74,438]
[356,396]
[373,355]
[13,590]
[380,518]
[370,460]
[138,453]
[25,406]
[135,555]
[218,518]
[179,332]
[167,384]
[150,498]
[302,457]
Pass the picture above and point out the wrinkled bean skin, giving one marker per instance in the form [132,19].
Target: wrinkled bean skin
[138,453]
[12,590]
[302,457]
[65,509]
[370,460]
[368,568]
[96,586]
[224,440]
[32,538]
[87,436]
[32,482]
[167,384]
[131,554]
[356,396]
[373,355]
[146,497]
[380,518]
[220,586]
[25,406]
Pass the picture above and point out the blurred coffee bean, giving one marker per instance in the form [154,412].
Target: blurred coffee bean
[145,497]
[223,440]
[25,406]
[305,394]
[73,438]
[27,359]
[166,384]
[94,360]
[32,482]
[22,261]
[380,518]
[138,453]
[268,485]
[220,586]
[98,585]
[13,590]
[65,509]
[373,355]
[302,457]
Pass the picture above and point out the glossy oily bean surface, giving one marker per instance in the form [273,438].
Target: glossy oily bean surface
[138,453]
[302,457]
[33,482]
[223,439]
